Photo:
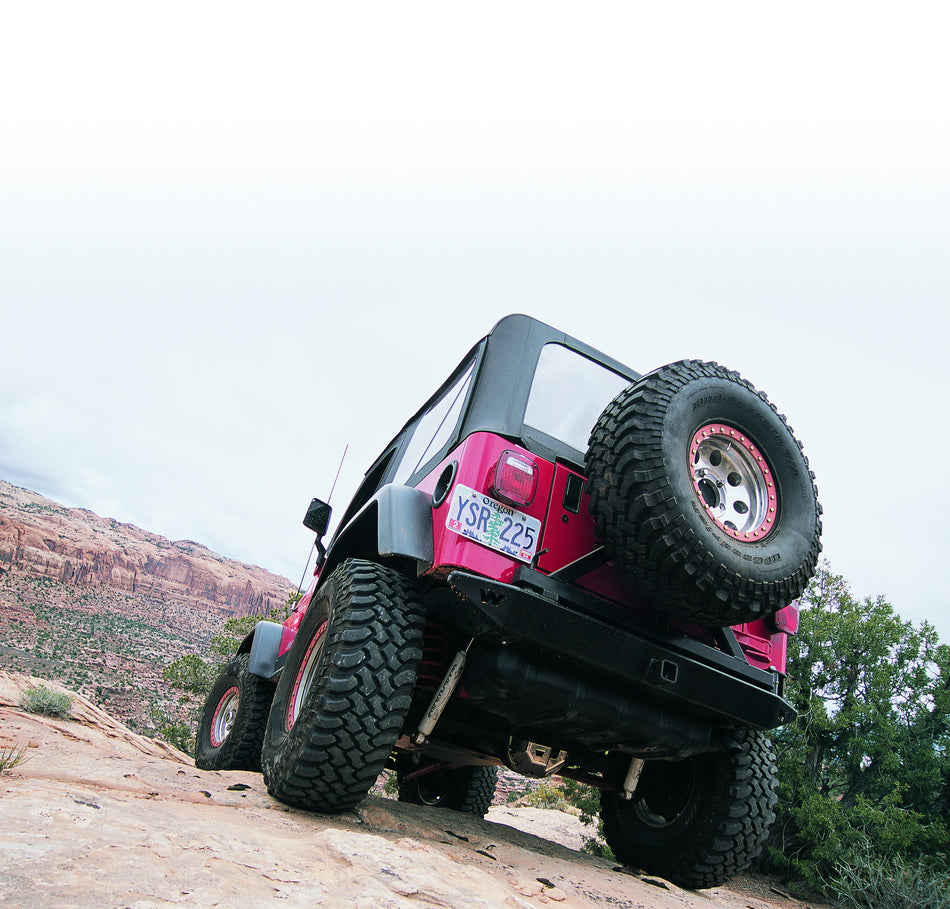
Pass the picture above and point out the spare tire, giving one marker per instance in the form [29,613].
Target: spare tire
[703,496]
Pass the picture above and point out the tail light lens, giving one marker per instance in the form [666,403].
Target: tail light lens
[787,619]
[516,479]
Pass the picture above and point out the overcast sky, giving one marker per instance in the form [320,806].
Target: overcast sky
[235,239]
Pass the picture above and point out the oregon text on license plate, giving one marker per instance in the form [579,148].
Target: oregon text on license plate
[505,529]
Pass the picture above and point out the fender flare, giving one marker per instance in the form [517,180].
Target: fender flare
[396,521]
[263,645]
[402,518]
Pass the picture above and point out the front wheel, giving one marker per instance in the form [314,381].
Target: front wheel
[468,789]
[345,689]
[699,821]
[231,728]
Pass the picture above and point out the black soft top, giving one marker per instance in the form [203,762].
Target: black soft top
[504,366]
[509,357]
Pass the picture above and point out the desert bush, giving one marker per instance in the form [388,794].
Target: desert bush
[586,799]
[573,797]
[46,701]
[11,757]
[191,673]
[175,732]
[196,674]
[864,881]
[548,795]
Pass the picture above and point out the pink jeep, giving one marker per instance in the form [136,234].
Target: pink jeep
[562,567]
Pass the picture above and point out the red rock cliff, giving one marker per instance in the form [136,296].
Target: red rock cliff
[72,545]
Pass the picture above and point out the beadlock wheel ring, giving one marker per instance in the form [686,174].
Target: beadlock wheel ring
[305,677]
[224,716]
[733,482]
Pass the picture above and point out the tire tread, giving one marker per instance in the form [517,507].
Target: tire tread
[729,829]
[639,516]
[346,730]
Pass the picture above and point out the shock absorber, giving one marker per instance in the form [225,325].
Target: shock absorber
[632,778]
[441,697]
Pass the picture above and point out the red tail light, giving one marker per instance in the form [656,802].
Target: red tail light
[516,479]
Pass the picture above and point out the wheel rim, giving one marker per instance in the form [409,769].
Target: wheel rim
[432,787]
[224,716]
[664,794]
[306,674]
[733,482]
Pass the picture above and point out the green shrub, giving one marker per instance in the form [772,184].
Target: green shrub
[868,881]
[11,757]
[547,795]
[191,673]
[570,796]
[583,797]
[514,795]
[864,770]
[46,701]
[175,732]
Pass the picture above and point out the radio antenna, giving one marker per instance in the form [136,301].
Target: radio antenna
[329,499]
[337,477]
[313,546]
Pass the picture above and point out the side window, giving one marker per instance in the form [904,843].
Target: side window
[434,429]
[568,394]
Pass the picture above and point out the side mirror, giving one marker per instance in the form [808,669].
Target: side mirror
[317,517]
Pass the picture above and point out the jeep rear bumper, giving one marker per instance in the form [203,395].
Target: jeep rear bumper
[595,639]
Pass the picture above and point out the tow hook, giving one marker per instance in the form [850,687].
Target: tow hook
[532,759]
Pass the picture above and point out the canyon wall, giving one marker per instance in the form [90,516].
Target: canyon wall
[75,546]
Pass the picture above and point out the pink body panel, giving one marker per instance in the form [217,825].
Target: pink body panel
[566,537]
[476,458]
[292,622]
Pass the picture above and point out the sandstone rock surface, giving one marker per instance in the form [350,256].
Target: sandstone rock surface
[99,817]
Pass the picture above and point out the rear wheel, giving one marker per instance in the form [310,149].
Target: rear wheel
[231,729]
[345,689]
[699,821]
[468,789]
[703,496]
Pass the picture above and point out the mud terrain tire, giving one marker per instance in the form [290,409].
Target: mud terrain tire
[231,729]
[468,789]
[699,821]
[345,689]
[703,496]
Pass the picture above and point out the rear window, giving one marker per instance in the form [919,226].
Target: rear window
[568,393]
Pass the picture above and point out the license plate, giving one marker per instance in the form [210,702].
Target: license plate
[493,524]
